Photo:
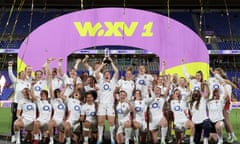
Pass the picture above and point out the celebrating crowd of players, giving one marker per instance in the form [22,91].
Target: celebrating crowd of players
[74,108]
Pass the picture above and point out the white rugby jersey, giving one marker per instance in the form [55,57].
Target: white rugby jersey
[106,90]
[91,72]
[156,107]
[215,110]
[90,112]
[127,86]
[28,108]
[196,85]
[140,107]
[57,83]
[184,94]
[39,86]
[123,110]
[88,88]
[200,114]
[214,83]
[178,111]
[74,109]
[142,83]
[44,110]
[59,108]
[19,85]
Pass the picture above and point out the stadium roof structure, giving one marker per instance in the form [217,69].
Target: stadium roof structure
[139,4]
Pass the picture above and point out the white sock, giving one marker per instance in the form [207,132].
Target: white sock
[36,137]
[136,131]
[86,138]
[17,135]
[100,133]
[112,128]
[220,139]
[191,139]
[233,134]
[163,133]
[128,132]
[205,141]
[68,139]
[51,138]
[229,134]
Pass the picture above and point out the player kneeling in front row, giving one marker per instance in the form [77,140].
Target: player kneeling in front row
[73,115]
[44,115]
[89,117]
[157,119]
[26,113]
[124,109]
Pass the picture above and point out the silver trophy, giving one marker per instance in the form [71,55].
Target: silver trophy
[107,55]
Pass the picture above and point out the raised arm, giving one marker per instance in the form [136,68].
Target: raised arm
[77,62]
[185,70]
[85,63]
[163,67]
[116,72]
[98,70]
[10,72]
[60,70]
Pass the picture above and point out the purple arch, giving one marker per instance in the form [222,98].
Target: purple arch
[171,40]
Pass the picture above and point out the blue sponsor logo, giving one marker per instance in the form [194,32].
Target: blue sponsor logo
[29,107]
[155,105]
[60,106]
[138,109]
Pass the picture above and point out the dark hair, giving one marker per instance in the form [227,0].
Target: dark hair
[94,79]
[91,92]
[45,92]
[214,93]
[123,91]
[55,92]
[38,71]
[137,90]
[20,73]
[173,92]
[195,93]
[201,73]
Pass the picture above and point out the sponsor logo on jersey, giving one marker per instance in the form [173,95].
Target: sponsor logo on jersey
[155,105]
[197,88]
[29,107]
[177,108]
[138,109]
[37,88]
[106,87]
[141,82]
[215,86]
[60,106]
[119,111]
[77,108]
[92,114]
[46,108]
